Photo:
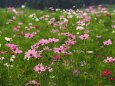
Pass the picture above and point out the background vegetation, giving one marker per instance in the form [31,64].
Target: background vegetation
[41,4]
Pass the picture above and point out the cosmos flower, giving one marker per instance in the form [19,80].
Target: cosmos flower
[109,60]
[2,58]
[16,28]
[39,68]
[14,48]
[57,57]
[106,73]
[108,42]
[8,39]
[61,49]
[32,53]
[11,46]
[70,42]
[84,36]
[17,51]
[33,82]
[79,28]
[53,40]
[76,72]
[50,69]
[29,35]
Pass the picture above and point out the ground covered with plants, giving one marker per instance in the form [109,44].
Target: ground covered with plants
[57,47]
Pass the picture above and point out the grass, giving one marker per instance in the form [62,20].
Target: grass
[89,66]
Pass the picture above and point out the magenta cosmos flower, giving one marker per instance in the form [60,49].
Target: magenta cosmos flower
[106,73]
[57,57]
[84,36]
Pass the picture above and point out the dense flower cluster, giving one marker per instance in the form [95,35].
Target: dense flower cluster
[68,41]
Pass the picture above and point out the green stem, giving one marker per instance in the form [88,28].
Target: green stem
[85,81]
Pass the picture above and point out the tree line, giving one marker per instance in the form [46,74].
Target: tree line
[42,4]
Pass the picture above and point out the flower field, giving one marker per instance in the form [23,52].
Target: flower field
[57,47]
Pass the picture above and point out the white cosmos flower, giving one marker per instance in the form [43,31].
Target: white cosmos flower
[8,39]
[11,60]
[2,58]
[36,19]
[6,64]
[23,6]
[13,56]
[90,51]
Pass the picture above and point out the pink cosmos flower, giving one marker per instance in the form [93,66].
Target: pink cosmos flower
[17,51]
[86,19]
[70,42]
[34,46]
[43,42]
[53,40]
[39,68]
[84,36]
[28,35]
[108,42]
[57,50]
[71,36]
[11,46]
[32,53]
[113,59]
[109,60]
[81,23]
[16,28]
[33,82]
[14,48]
[61,49]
